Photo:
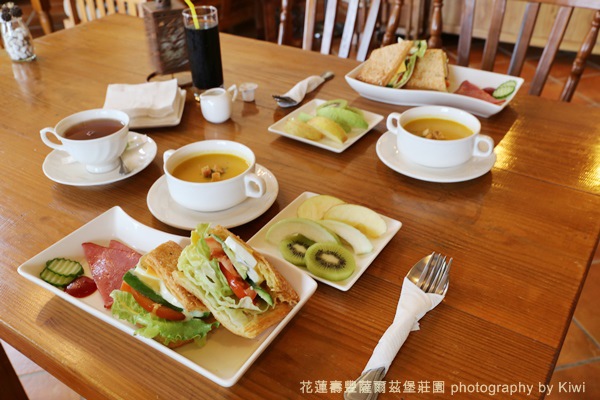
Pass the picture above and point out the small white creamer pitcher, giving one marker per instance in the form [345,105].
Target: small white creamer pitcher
[216,104]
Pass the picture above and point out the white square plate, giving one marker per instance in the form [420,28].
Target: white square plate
[216,360]
[456,75]
[325,143]
[259,241]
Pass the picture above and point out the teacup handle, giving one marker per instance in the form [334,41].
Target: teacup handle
[233,89]
[393,122]
[477,152]
[167,154]
[255,185]
[47,142]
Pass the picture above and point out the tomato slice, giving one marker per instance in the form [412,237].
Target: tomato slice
[157,309]
[216,251]
[240,287]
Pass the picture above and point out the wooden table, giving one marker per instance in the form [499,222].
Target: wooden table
[522,236]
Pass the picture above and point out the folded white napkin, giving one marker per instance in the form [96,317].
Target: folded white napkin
[151,99]
[412,306]
[300,89]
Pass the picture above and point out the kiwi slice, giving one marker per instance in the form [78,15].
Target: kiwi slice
[330,261]
[294,248]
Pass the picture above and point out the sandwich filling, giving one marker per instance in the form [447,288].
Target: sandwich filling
[405,70]
[242,290]
[163,310]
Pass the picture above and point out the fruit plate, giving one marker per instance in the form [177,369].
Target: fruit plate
[456,75]
[225,357]
[325,143]
[259,242]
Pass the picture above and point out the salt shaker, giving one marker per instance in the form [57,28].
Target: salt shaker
[15,34]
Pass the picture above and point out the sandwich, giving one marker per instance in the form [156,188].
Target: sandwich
[151,299]
[245,293]
[392,65]
[431,72]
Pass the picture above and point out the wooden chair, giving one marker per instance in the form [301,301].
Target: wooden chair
[529,21]
[89,10]
[355,24]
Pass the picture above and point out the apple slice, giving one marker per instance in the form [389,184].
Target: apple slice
[302,226]
[329,128]
[299,128]
[315,207]
[362,218]
[355,238]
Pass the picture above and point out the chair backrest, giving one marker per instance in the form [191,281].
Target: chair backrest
[89,10]
[555,38]
[357,24]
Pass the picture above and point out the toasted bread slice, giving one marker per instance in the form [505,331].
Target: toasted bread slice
[244,322]
[383,63]
[163,261]
[431,72]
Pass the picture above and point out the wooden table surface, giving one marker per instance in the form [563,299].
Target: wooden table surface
[522,236]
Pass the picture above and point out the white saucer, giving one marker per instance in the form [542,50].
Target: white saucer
[168,120]
[388,153]
[166,210]
[59,166]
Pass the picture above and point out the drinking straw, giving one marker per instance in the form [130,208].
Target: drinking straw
[193,11]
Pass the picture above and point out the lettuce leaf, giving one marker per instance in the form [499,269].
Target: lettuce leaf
[196,265]
[126,308]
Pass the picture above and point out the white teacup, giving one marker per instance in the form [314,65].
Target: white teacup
[212,196]
[439,153]
[216,104]
[98,154]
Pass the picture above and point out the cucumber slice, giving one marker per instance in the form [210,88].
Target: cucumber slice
[65,267]
[132,280]
[55,279]
[504,90]
[262,293]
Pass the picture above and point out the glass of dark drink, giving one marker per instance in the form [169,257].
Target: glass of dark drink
[204,48]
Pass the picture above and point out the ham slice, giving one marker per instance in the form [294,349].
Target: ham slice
[108,265]
[468,89]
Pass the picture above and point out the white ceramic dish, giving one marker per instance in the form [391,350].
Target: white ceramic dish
[166,210]
[456,75]
[169,120]
[61,168]
[387,151]
[225,357]
[259,241]
[325,143]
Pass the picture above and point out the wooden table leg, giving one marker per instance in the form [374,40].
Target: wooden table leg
[9,381]
[42,8]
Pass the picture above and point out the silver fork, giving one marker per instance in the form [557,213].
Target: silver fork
[431,274]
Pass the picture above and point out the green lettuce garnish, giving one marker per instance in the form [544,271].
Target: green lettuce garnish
[126,308]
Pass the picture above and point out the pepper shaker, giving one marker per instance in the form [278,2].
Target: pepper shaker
[15,34]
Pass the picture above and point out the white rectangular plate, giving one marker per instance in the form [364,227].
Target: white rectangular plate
[225,357]
[259,241]
[456,75]
[325,143]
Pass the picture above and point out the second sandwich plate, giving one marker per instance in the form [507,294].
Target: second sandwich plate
[456,75]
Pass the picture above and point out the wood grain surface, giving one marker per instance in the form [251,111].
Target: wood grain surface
[522,236]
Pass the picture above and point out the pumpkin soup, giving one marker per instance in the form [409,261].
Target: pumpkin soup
[210,167]
[437,129]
